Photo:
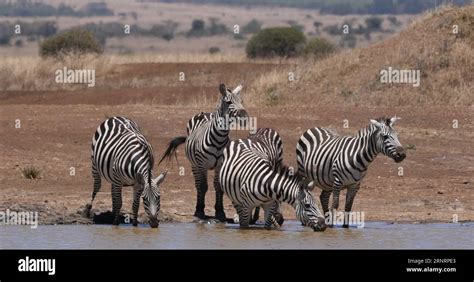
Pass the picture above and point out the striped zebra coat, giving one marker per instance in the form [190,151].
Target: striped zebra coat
[207,136]
[249,180]
[122,155]
[267,143]
[337,162]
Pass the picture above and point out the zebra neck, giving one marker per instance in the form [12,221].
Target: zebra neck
[283,189]
[369,150]
[219,124]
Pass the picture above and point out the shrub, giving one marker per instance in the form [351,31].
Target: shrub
[252,26]
[214,50]
[73,41]
[197,28]
[276,41]
[374,23]
[30,172]
[217,28]
[319,47]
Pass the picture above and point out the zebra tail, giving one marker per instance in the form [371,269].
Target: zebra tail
[172,147]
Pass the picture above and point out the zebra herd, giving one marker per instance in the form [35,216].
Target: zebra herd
[249,171]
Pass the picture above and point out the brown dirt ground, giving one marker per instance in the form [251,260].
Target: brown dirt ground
[57,127]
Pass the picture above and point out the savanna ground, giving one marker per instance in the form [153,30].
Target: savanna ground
[57,127]
[58,121]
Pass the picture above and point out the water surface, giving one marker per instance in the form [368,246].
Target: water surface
[375,235]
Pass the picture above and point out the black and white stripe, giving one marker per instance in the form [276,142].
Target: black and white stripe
[337,162]
[208,135]
[122,155]
[249,180]
[267,143]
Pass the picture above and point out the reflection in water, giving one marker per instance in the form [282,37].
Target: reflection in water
[229,236]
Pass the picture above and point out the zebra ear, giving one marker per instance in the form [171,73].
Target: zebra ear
[393,120]
[376,123]
[160,178]
[237,90]
[223,89]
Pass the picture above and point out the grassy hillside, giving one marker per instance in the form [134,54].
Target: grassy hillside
[445,60]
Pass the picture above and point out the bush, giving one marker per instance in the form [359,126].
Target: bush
[30,172]
[214,50]
[319,47]
[197,28]
[73,41]
[276,41]
[374,23]
[252,26]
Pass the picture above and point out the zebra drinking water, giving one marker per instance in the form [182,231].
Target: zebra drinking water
[123,156]
[249,181]
[207,136]
[268,144]
[337,162]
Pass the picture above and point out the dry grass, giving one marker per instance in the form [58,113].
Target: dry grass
[38,74]
[446,62]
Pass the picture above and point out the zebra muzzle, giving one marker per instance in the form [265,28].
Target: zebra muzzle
[320,226]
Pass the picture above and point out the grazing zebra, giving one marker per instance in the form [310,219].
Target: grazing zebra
[208,134]
[123,156]
[249,180]
[268,144]
[338,162]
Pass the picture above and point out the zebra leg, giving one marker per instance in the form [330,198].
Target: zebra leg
[270,209]
[244,215]
[255,215]
[137,192]
[219,206]
[351,193]
[116,202]
[200,179]
[97,185]
[324,197]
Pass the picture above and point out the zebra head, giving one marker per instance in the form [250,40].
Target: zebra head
[151,199]
[387,138]
[231,105]
[307,210]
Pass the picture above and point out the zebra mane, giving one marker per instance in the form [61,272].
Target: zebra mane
[384,119]
[370,127]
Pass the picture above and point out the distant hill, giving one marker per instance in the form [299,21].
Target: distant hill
[339,7]
[439,45]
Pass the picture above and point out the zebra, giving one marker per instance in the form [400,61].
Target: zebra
[249,181]
[207,136]
[337,162]
[268,144]
[122,155]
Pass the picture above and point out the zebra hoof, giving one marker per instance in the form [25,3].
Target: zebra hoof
[345,226]
[116,221]
[200,215]
[279,218]
[221,216]
[268,227]
[135,222]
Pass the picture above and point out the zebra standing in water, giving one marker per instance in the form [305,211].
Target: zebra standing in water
[208,134]
[268,144]
[249,180]
[338,162]
[123,156]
